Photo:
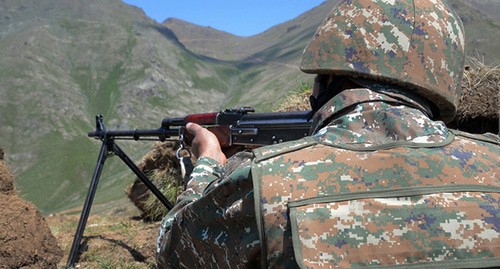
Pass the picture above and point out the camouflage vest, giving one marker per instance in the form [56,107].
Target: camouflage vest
[395,205]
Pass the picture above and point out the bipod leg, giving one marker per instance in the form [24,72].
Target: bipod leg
[75,247]
[119,152]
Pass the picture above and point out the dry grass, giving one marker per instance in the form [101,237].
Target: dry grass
[297,100]
[480,91]
[160,164]
[170,185]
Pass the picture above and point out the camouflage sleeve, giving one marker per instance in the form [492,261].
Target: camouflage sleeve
[205,172]
[213,223]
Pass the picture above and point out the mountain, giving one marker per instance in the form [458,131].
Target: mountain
[211,42]
[268,62]
[207,41]
[63,62]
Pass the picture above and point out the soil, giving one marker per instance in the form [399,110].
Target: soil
[25,238]
[111,241]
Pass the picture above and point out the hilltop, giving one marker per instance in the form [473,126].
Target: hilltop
[481,20]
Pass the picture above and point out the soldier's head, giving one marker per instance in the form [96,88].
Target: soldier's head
[415,45]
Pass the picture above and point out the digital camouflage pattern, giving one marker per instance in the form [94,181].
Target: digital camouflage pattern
[380,186]
[417,44]
[213,222]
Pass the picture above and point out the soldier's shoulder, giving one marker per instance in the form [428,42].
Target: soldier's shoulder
[271,151]
[488,138]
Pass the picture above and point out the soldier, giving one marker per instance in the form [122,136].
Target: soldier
[380,182]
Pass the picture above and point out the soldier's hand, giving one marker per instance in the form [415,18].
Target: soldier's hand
[205,143]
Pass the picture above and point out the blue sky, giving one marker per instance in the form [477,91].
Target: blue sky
[239,17]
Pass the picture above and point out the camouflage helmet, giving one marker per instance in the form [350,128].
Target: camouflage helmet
[417,45]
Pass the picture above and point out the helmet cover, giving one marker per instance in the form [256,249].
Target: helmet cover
[416,44]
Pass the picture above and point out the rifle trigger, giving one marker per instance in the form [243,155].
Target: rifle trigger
[185,162]
[182,146]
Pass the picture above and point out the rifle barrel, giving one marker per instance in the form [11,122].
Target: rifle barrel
[136,134]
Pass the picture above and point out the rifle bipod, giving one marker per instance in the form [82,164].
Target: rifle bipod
[108,146]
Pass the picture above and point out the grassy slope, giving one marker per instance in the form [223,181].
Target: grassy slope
[65,62]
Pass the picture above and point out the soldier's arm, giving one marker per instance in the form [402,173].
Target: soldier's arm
[213,217]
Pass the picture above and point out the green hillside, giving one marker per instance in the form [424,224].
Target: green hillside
[63,63]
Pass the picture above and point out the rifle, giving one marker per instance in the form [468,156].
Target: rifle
[233,127]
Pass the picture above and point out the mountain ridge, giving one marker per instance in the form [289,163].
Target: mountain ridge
[210,41]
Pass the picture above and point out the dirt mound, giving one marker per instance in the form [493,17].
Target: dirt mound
[25,238]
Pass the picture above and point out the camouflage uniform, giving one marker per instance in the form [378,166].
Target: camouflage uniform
[378,184]
[382,184]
